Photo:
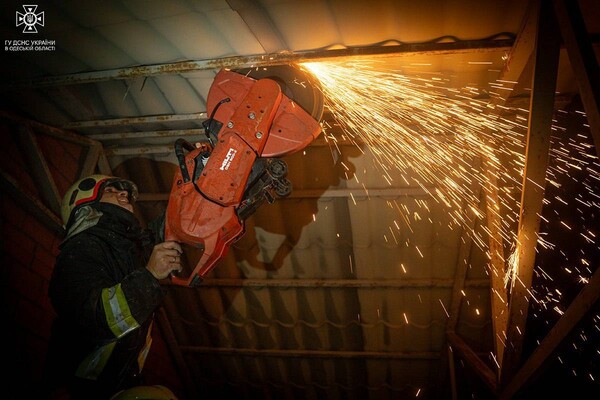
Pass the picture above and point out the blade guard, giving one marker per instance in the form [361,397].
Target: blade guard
[258,121]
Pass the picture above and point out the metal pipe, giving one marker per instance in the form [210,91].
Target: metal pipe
[146,119]
[258,60]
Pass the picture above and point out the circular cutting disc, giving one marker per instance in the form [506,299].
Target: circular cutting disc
[299,85]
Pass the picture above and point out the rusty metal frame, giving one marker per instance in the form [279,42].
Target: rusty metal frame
[583,60]
[278,58]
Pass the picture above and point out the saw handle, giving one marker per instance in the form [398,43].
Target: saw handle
[180,144]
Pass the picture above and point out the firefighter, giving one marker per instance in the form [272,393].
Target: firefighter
[105,289]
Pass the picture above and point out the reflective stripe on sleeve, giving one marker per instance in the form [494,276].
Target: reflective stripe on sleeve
[118,316]
[144,352]
[93,364]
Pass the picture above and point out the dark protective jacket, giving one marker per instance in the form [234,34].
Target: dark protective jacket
[104,298]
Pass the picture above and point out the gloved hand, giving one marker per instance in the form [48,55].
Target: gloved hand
[165,258]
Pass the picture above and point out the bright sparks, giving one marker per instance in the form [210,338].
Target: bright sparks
[432,135]
[458,147]
[425,133]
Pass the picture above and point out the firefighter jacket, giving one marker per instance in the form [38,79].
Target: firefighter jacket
[104,298]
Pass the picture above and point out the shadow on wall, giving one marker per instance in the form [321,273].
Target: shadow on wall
[315,172]
[286,218]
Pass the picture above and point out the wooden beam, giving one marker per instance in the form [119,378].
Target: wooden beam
[103,164]
[47,129]
[91,160]
[460,275]
[511,74]
[583,60]
[452,370]
[31,203]
[534,182]
[498,294]
[579,307]
[38,167]
[462,261]
[477,364]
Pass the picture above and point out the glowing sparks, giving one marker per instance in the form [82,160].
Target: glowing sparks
[457,146]
[512,268]
[436,137]
[424,130]
[446,311]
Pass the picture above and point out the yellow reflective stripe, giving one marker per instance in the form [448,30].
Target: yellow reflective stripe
[118,316]
[144,352]
[93,364]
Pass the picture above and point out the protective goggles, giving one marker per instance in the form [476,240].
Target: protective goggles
[124,185]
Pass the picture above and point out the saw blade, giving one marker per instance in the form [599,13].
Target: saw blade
[297,84]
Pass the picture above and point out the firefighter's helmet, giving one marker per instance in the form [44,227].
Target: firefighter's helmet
[89,190]
[155,392]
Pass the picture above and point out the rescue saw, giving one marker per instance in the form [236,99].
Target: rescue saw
[256,118]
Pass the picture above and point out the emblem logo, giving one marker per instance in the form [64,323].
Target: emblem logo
[30,19]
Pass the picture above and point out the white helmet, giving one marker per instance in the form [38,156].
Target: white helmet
[89,190]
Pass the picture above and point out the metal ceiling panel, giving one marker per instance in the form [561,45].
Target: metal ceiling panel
[140,41]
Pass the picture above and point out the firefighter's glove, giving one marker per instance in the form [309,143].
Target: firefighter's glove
[165,258]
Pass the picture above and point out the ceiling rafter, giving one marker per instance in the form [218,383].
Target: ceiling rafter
[576,311]
[460,282]
[511,103]
[583,60]
[261,60]
[147,119]
[519,58]
[47,209]
[477,364]
[534,182]
[30,203]
[511,74]
[39,168]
